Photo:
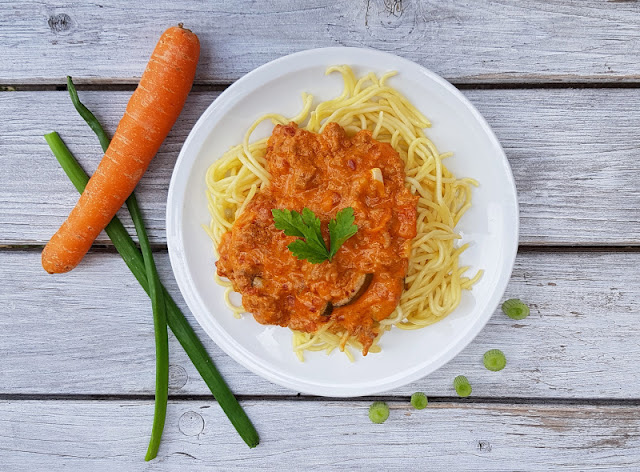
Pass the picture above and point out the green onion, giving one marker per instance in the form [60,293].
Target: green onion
[160,328]
[175,319]
[419,401]
[495,360]
[462,386]
[89,117]
[155,290]
[515,309]
[378,412]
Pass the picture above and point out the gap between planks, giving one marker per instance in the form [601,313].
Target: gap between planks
[83,85]
[312,398]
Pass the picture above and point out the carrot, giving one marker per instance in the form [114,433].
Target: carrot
[151,112]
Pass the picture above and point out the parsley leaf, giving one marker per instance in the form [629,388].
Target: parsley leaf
[288,221]
[303,250]
[341,229]
[314,234]
[307,226]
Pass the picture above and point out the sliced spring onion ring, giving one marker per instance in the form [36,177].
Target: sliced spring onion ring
[419,401]
[515,309]
[462,386]
[495,360]
[378,412]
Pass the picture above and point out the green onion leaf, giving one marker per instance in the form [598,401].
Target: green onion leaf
[419,401]
[495,360]
[184,333]
[515,309]
[378,412]
[462,386]
[155,289]
[160,329]
[89,117]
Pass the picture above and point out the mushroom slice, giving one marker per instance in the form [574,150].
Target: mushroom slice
[327,310]
[361,286]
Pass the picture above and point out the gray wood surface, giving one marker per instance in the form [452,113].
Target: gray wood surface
[574,154]
[468,42]
[300,435]
[558,80]
[90,332]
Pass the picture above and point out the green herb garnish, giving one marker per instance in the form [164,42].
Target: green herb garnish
[341,229]
[378,412]
[495,360]
[419,401]
[515,309]
[306,225]
[462,386]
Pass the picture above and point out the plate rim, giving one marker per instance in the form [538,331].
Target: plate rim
[225,341]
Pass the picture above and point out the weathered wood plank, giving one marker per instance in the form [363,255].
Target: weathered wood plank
[90,332]
[480,41]
[573,153]
[298,435]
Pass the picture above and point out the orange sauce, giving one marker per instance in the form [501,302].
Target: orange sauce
[324,172]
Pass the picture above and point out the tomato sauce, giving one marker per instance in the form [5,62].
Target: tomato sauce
[325,172]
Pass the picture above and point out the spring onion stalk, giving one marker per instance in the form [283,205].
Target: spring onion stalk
[89,117]
[175,319]
[155,290]
[160,328]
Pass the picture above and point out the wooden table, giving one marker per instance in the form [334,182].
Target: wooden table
[559,82]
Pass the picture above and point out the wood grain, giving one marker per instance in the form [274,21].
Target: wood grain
[299,435]
[573,154]
[483,41]
[567,399]
[90,332]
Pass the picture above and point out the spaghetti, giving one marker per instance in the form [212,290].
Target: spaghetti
[435,280]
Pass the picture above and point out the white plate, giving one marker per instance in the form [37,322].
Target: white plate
[491,225]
